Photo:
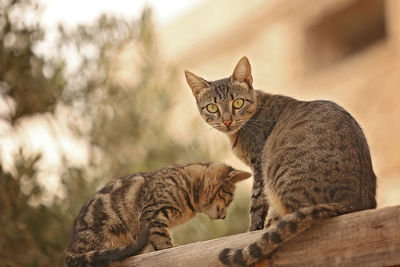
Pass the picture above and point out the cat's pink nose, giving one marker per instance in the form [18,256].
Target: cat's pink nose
[228,123]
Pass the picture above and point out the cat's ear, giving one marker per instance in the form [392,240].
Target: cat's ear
[237,175]
[195,82]
[242,72]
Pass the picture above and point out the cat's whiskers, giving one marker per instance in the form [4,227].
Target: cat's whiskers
[255,120]
[257,132]
[262,107]
[256,123]
[244,127]
[263,119]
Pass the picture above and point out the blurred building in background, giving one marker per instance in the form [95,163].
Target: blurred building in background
[346,51]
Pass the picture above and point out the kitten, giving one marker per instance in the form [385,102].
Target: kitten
[310,159]
[144,206]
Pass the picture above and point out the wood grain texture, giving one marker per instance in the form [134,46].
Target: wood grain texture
[365,238]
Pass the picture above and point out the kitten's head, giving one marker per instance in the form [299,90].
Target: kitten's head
[225,104]
[219,184]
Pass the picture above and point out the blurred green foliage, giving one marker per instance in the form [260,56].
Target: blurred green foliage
[32,234]
[21,70]
[125,125]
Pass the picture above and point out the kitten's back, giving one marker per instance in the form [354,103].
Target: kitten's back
[102,230]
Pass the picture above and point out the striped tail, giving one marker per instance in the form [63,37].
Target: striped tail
[286,228]
[106,256]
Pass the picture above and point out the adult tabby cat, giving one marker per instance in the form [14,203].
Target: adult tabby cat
[310,159]
[144,206]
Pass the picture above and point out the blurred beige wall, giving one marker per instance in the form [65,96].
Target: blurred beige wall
[341,50]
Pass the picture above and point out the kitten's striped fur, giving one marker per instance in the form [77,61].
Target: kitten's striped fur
[310,159]
[144,206]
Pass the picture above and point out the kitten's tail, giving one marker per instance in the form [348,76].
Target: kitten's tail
[286,228]
[106,256]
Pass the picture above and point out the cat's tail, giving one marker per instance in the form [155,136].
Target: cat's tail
[106,256]
[286,228]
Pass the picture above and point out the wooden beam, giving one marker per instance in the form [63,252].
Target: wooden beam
[365,238]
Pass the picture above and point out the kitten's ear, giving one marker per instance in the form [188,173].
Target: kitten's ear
[195,82]
[242,72]
[237,176]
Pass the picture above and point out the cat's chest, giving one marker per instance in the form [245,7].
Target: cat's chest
[176,219]
[247,149]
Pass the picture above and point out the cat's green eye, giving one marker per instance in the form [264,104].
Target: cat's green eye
[238,103]
[212,108]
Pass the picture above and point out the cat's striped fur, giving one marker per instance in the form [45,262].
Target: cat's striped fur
[310,159]
[144,206]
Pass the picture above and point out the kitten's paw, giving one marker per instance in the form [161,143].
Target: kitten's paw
[270,222]
[256,227]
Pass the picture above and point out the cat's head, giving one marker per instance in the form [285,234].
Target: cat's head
[225,104]
[220,180]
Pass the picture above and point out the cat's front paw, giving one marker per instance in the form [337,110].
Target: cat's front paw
[255,227]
